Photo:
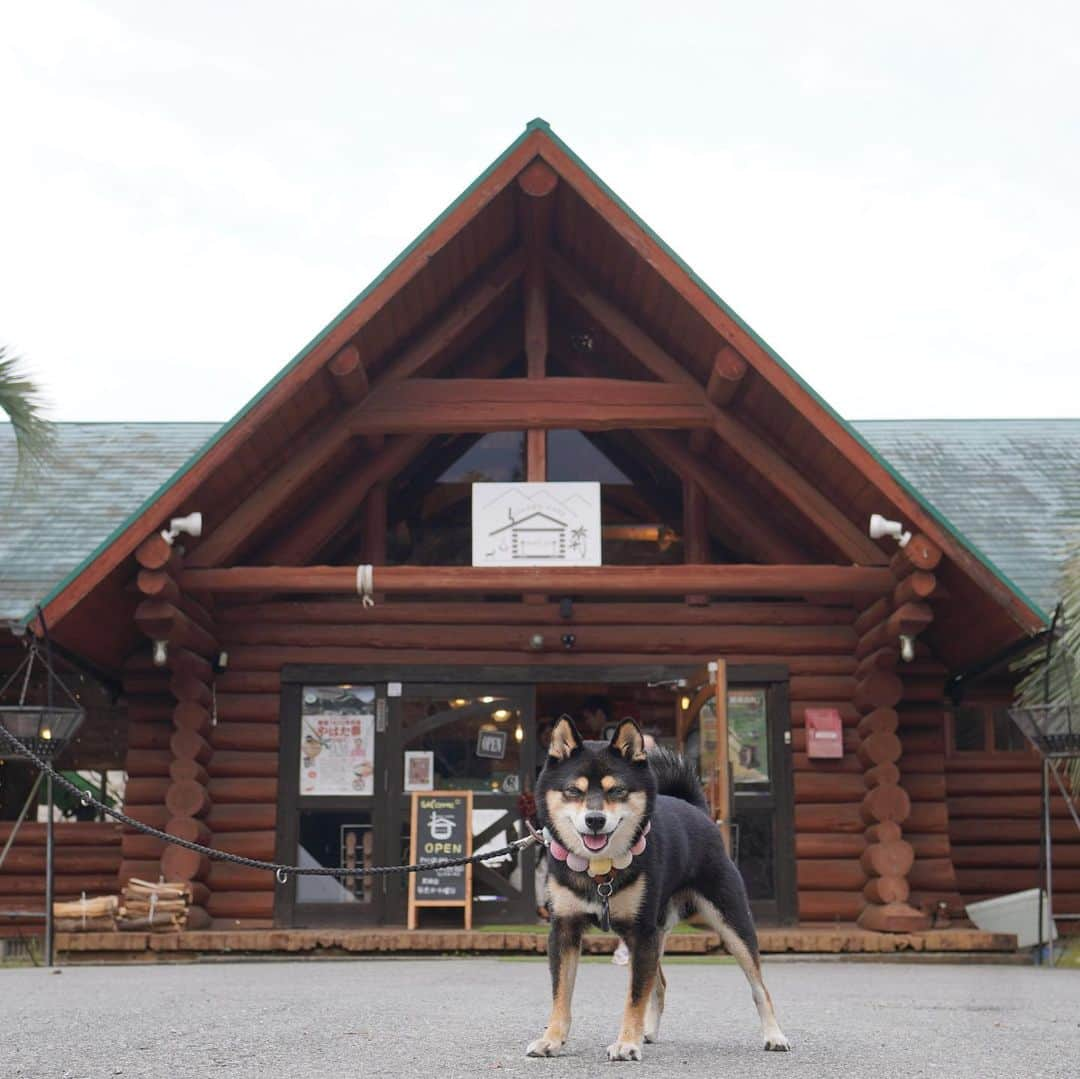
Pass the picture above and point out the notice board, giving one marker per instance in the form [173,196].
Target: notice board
[441,830]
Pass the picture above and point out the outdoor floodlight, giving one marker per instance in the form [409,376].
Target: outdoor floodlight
[881,526]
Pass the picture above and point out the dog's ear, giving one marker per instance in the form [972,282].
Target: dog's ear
[565,740]
[628,741]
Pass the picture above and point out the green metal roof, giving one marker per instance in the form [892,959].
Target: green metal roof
[1011,486]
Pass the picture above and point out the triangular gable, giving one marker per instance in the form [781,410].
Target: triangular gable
[539,141]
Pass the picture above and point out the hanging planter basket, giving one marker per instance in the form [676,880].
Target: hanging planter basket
[1053,729]
[41,729]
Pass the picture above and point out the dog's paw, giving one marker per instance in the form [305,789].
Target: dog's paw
[650,1037]
[624,1051]
[777,1043]
[544,1047]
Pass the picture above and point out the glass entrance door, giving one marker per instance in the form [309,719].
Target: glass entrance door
[759,771]
[333,810]
[479,738]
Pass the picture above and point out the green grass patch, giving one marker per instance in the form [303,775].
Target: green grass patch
[1070,959]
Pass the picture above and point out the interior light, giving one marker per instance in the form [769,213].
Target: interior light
[519,734]
[459,702]
[486,700]
[685,703]
[500,714]
[46,733]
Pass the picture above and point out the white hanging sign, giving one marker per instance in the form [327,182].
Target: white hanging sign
[536,524]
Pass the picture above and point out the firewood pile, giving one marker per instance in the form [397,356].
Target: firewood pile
[86,915]
[161,906]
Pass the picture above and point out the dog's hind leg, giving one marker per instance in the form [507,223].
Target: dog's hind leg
[564,951]
[741,942]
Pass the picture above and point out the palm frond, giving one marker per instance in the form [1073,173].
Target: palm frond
[21,400]
[1053,676]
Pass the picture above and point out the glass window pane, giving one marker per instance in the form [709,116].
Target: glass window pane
[748,736]
[754,834]
[969,729]
[331,840]
[1008,737]
[496,458]
[571,457]
[475,742]
[337,740]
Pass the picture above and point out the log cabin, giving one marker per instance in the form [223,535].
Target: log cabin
[539,332]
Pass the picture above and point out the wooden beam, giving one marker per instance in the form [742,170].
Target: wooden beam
[788,481]
[695,533]
[476,612]
[161,621]
[448,406]
[738,580]
[751,447]
[348,376]
[226,538]
[537,184]
[459,323]
[642,347]
[749,530]
[341,501]
[726,377]
[753,531]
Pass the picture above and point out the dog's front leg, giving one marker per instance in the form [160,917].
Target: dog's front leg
[644,960]
[564,950]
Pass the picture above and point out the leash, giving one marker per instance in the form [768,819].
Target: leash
[281,872]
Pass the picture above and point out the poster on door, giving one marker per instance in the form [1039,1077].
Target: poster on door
[337,741]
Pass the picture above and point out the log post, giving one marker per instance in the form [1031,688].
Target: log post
[167,614]
[536,189]
[888,858]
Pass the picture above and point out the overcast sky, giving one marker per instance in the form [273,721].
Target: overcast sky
[887,193]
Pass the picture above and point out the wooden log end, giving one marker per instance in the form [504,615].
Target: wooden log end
[538,179]
[893,918]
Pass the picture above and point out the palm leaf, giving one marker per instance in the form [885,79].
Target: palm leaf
[21,400]
[1055,680]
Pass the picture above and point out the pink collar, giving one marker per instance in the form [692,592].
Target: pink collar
[595,867]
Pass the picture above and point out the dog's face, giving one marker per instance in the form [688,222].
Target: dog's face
[596,796]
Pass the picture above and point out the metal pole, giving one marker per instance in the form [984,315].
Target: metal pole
[1049,862]
[49,874]
[1042,860]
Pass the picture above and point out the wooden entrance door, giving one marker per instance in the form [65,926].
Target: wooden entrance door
[478,737]
[757,797]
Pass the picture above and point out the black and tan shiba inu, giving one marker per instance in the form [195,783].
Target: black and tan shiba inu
[630,841]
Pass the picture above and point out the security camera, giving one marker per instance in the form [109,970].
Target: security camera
[191,525]
[568,640]
[880,526]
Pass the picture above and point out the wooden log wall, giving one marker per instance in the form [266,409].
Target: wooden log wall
[815,642]
[172,776]
[994,804]
[87,859]
[883,628]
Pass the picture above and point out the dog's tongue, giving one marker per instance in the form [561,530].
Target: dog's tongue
[595,842]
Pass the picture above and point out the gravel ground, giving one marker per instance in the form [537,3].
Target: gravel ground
[471,1017]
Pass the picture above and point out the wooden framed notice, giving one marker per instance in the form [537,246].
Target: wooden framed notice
[441,830]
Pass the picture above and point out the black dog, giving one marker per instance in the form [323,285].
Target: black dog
[630,841]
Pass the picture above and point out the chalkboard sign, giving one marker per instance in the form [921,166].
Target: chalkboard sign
[441,831]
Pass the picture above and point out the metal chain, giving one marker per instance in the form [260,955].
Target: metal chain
[281,872]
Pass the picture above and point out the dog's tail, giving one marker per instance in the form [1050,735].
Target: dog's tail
[675,776]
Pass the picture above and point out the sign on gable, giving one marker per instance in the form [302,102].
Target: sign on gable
[536,524]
